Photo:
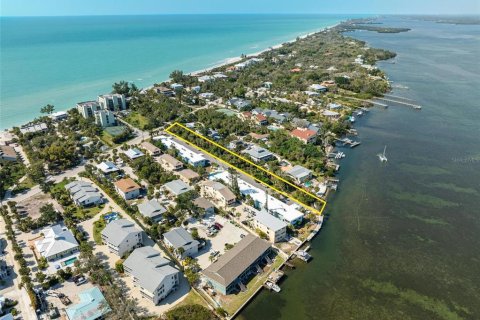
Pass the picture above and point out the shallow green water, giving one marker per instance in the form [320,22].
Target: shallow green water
[403,238]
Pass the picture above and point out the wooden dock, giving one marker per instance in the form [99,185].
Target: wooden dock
[408,104]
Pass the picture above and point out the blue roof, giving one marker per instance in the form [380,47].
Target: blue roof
[92,306]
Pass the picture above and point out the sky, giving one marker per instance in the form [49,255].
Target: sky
[122,7]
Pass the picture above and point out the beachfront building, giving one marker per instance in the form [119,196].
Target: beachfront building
[92,306]
[205,207]
[151,149]
[34,128]
[107,167]
[218,192]
[181,242]
[299,174]
[152,274]
[84,194]
[122,236]
[8,153]
[274,228]
[133,153]
[58,116]
[105,118]
[176,187]
[285,211]
[258,153]
[236,266]
[189,155]
[87,109]
[58,243]
[152,209]
[127,188]
[170,163]
[112,102]
[304,135]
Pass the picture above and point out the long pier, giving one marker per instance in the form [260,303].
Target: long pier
[415,106]
[370,101]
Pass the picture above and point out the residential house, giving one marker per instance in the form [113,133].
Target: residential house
[176,187]
[239,103]
[92,306]
[127,188]
[318,87]
[236,266]
[181,242]
[87,109]
[84,194]
[112,102]
[258,153]
[245,115]
[305,135]
[58,116]
[188,154]
[164,90]
[331,114]
[188,175]
[260,119]
[274,228]
[105,118]
[57,243]
[169,162]
[176,87]
[107,167]
[205,207]
[299,173]
[152,149]
[207,96]
[205,78]
[133,153]
[122,236]
[8,153]
[152,209]
[217,191]
[152,274]
[34,128]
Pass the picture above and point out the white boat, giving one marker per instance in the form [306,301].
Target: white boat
[303,255]
[272,286]
[382,156]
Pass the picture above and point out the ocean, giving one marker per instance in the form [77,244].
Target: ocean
[65,60]
[402,239]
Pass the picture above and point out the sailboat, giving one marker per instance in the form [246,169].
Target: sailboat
[382,156]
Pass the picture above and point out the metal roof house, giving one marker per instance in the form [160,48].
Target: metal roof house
[134,153]
[152,209]
[84,193]
[177,187]
[178,238]
[236,266]
[299,173]
[92,306]
[152,273]
[258,153]
[122,236]
[239,103]
[58,243]
[107,167]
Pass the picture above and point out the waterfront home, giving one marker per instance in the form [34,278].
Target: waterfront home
[274,228]
[112,102]
[107,167]
[84,194]
[188,154]
[92,306]
[217,191]
[152,274]
[206,78]
[167,92]
[181,242]
[127,188]
[299,174]
[152,209]
[133,153]
[151,148]
[176,187]
[331,114]
[105,118]
[58,243]
[204,205]
[188,175]
[176,87]
[318,87]
[305,135]
[87,108]
[334,106]
[258,153]
[58,116]
[8,153]
[236,266]
[34,128]
[170,163]
[122,236]
[239,103]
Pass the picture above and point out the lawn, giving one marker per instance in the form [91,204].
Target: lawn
[192,298]
[98,226]
[87,213]
[137,120]
[232,302]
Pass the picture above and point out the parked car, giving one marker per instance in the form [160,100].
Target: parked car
[218,225]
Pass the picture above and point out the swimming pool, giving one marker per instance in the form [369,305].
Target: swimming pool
[69,261]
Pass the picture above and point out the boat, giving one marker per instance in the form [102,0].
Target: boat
[272,286]
[382,156]
[352,119]
[303,255]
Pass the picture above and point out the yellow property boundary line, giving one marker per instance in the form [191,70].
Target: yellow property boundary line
[323,202]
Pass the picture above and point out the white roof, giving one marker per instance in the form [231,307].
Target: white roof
[107,167]
[186,153]
[134,153]
[269,221]
[57,239]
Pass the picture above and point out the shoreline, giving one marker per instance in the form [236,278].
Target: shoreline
[218,64]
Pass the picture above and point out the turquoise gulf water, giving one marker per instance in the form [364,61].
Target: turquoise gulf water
[64,60]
